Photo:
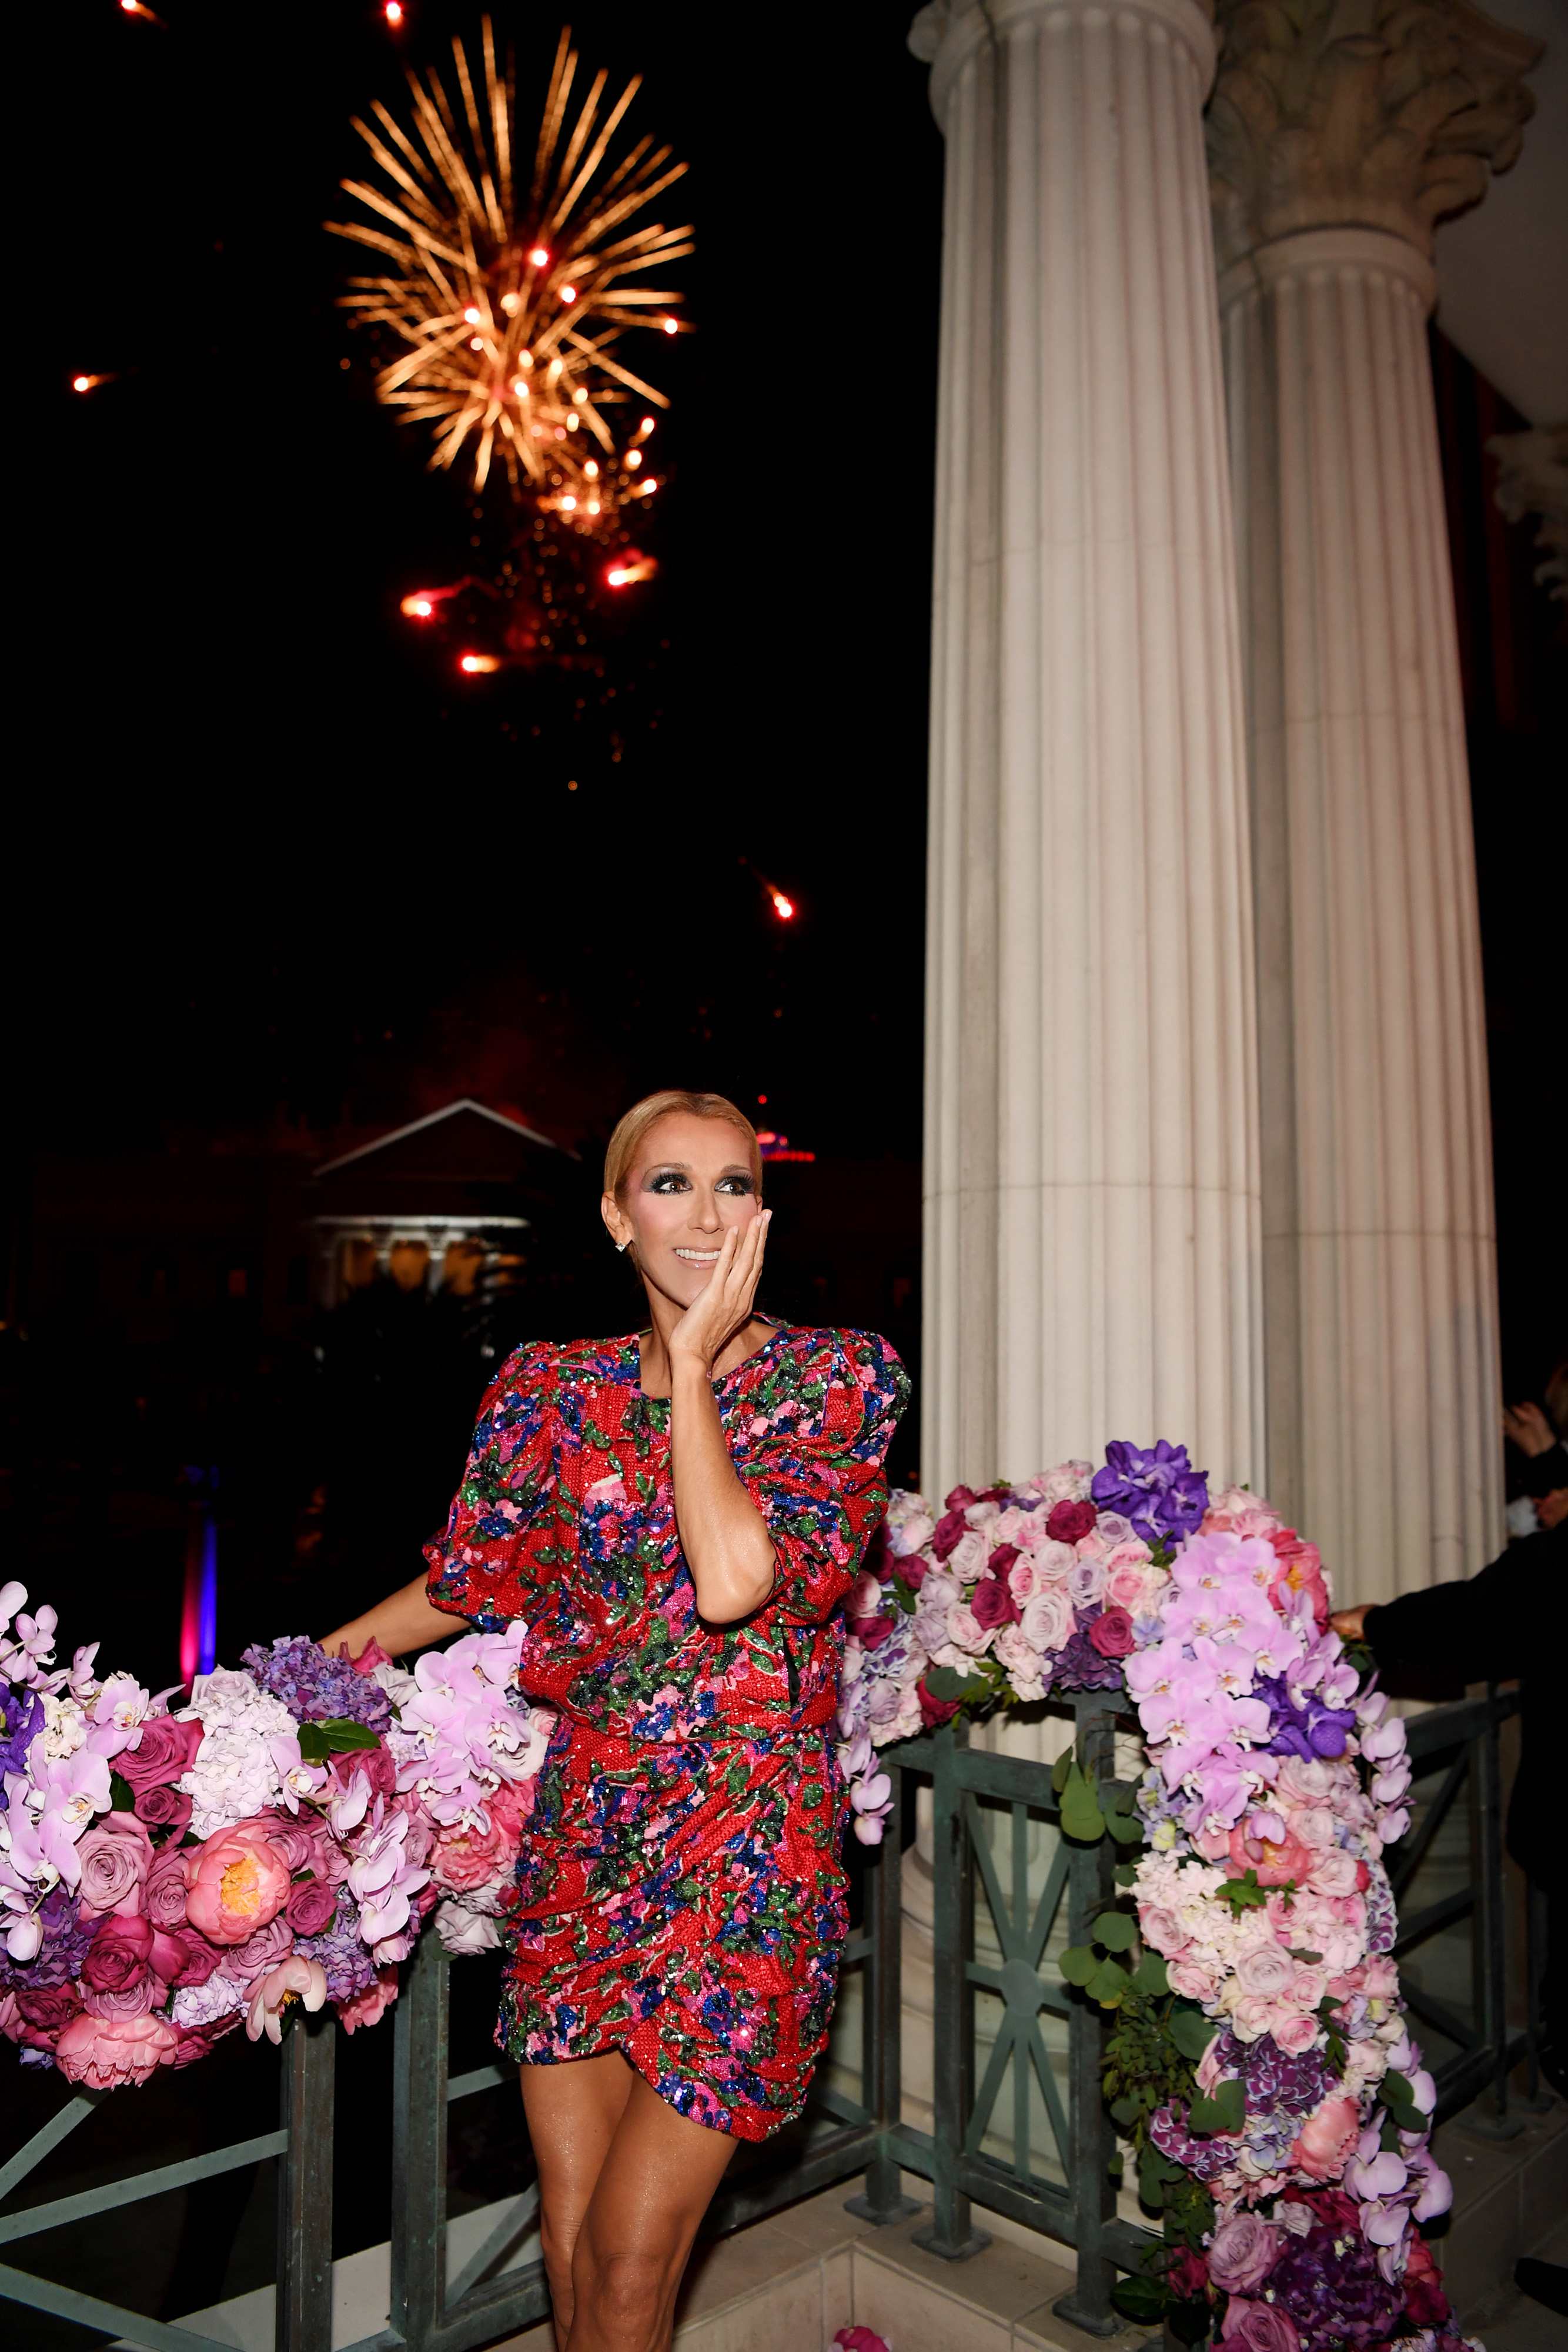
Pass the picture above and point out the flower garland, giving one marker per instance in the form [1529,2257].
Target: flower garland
[1277,2111]
[166,1876]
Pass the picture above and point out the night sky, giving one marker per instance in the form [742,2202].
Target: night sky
[302,866]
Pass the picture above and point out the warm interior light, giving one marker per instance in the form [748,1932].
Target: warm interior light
[539,257]
[476,664]
[633,457]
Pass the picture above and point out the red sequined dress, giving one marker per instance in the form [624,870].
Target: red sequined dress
[680,1895]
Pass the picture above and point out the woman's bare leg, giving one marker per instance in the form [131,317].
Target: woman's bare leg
[655,2184]
[624,2182]
[573,2110]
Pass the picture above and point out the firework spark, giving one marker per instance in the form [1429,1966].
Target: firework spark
[507,299]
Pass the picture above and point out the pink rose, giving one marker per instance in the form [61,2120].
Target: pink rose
[1047,1621]
[1111,1633]
[367,2008]
[1265,1972]
[198,1958]
[163,1808]
[1314,1826]
[235,1883]
[1192,1979]
[1024,1663]
[1294,2031]
[1380,1979]
[41,2017]
[164,1896]
[1163,1929]
[966,1632]
[1326,2140]
[993,1603]
[1333,1872]
[1023,1580]
[137,1999]
[372,1764]
[311,1905]
[1258,2327]
[165,1749]
[115,1856]
[1128,1587]
[105,2052]
[266,1949]
[1305,1781]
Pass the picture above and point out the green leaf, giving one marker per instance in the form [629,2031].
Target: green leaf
[1189,2323]
[1310,1960]
[121,1795]
[1400,2101]
[1151,1977]
[314,1744]
[1190,2030]
[1114,2165]
[1059,1770]
[1244,1893]
[1113,1931]
[1127,1829]
[1154,2171]
[1142,2299]
[1081,1814]
[1125,2111]
[1226,2111]
[1124,1874]
[1108,1985]
[944,1682]
[345,1735]
[1077,1963]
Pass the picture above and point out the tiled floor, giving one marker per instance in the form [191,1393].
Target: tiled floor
[789,2283]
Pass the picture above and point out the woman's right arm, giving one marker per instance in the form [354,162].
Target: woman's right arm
[403,1621]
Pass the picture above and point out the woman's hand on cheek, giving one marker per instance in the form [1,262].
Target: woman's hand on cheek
[723,1306]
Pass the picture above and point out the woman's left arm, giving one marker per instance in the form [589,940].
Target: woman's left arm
[723,1535]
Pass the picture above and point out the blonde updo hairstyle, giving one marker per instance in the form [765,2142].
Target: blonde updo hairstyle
[621,1153]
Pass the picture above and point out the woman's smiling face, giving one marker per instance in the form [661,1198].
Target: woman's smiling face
[690,1182]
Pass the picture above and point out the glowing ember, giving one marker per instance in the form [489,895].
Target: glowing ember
[633,566]
[449,225]
[392,12]
[782,906]
[633,457]
[478,665]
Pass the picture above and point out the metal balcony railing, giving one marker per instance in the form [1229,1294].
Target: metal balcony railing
[1019,2125]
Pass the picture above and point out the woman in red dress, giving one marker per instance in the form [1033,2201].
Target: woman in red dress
[676,1517]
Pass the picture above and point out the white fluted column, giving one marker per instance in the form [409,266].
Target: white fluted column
[1379,1284]
[1092,1172]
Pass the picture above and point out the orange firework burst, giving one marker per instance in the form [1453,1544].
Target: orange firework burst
[508,302]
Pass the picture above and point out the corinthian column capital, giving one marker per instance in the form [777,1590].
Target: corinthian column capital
[1366,113]
[945,33]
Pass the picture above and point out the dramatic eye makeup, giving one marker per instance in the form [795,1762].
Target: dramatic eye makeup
[737,1182]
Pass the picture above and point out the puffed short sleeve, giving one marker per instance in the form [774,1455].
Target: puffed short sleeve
[811,1460]
[497,1542]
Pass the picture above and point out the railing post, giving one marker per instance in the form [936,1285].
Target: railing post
[303,2311]
[1490,1932]
[883,2198]
[1090,1886]
[950,2232]
[419,2147]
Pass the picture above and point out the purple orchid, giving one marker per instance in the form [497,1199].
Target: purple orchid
[1158,1490]
[382,1879]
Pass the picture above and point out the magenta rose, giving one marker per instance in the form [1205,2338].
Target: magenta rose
[1244,2252]
[164,1807]
[104,2051]
[166,1749]
[1258,2327]
[933,1712]
[196,2040]
[200,1958]
[374,1763]
[1070,1522]
[119,1954]
[43,2016]
[301,1842]
[164,1896]
[115,1855]
[1111,1633]
[993,1603]
[311,1905]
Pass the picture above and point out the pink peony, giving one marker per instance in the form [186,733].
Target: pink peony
[1326,2140]
[368,2008]
[1277,1861]
[115,1855]
[105,2052]
[148,1994]
[1258,2327]
[235,1883]
[294,1979]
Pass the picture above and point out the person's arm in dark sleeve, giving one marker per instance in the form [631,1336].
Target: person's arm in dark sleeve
[1544,1473]
[1489,1628]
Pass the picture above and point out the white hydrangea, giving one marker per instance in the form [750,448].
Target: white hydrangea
[64,1728]
[232,1773]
